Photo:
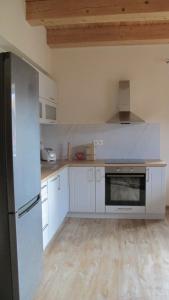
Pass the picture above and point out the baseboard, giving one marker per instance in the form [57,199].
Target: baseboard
[117,216]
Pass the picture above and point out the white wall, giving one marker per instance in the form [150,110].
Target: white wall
[88,78]
[141,141]
[15,29]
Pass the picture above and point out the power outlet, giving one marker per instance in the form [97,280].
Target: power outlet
[98,142]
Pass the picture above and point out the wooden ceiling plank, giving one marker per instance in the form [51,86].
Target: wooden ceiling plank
[59,12]
[116,34]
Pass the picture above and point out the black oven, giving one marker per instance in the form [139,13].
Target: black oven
[125,186]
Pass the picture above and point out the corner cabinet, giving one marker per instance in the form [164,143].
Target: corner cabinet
[155,192]
[47,100]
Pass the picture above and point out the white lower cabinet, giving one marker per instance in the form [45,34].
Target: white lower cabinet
[58,195]
[155,191]
[45,215]
[82,189]
[53,189]
[63,195]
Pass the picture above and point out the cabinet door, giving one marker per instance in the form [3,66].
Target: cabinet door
[155,190]
[45,237]
[82,189]
[45,213]
[100,189]
[64,194]
[47,111]
[53,206]
[47,87]
[50,111]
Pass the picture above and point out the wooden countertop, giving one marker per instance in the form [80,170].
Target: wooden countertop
[50,169]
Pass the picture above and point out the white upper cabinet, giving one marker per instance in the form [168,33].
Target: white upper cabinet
[47,88]
[155,191]
[47,100]
[47,111]
[82,189]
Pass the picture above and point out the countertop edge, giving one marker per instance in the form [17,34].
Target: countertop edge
[62,165]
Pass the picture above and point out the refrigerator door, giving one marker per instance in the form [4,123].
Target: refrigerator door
[28,243]
[22,131]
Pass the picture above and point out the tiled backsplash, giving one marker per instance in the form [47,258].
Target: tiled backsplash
[119,141]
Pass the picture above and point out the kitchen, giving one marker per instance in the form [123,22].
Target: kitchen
[84,92]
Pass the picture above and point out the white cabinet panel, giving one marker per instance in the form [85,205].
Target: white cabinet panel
[100,190]
[44,192]
[82,189]
[47,87]
[64,194]
[53,206]
[58,197]
[44,213]
[47,111]
[45,237]
[47,100]
[155,190]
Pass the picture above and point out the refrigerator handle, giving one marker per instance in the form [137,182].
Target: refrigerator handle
[28,206]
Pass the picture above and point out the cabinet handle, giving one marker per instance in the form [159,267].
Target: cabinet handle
[44,200]
[124,208]
[52,99]
[147,175]
[44,186]
[98,175]
[45,227]
[54,179]
[90,174]
[59,187]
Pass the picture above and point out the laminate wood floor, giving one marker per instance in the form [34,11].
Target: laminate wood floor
[93,259]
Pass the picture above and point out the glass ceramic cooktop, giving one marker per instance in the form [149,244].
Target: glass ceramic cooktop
[124,161]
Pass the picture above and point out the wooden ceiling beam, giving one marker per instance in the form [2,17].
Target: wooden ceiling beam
[65,12]
[115,34]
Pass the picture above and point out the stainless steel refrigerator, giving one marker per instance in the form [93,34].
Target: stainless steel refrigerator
[20,205]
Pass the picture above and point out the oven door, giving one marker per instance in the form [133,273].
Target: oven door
[125,189]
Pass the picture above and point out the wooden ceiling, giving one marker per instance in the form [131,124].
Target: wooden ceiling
[72,23]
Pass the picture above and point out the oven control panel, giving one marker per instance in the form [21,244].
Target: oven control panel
[125,170]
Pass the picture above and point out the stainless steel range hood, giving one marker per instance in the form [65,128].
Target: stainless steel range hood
[124,115]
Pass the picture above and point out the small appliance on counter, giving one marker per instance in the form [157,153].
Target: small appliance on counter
[47,154]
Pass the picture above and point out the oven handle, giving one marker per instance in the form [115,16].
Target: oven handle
[124,175]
